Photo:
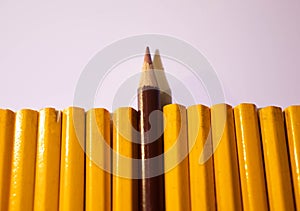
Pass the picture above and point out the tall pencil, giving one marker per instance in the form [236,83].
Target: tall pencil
[7,123]
[151,189]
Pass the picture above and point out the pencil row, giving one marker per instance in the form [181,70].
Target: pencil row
[218,158]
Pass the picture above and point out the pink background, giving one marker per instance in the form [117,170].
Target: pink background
[254,46]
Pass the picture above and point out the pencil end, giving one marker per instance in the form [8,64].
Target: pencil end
[147,57]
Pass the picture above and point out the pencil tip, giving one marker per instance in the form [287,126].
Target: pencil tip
[147,57]
[157,61]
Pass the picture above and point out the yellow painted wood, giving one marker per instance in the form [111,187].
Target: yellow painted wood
[7,123]
[202,190]
[124,188]
[98,180]
[177,192]
[253,185]
[227,183]
[71,195]
[47,160]
[276,159]
[292,121]
[23,161]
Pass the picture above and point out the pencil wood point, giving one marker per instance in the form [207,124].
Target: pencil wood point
[147,57]
[157,61]
[148,78]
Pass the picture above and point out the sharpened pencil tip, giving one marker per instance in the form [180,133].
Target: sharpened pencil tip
[147,57]
[157,61]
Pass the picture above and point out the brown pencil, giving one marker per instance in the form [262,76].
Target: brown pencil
[151,189]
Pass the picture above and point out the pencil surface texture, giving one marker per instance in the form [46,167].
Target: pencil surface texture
[23,161]
[47,160]
[251,165]
[124,187]
[226,170]
[177,178]
[292,119]
[276,159]
[7,123]
[71,195]
[202,187]
[98,179]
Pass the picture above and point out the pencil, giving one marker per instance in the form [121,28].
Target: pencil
[251,164]
[292,121]
[47,160]
[226,169]
[125,193]
[177,187]
[7,123]
[151,190]
[71,194]
[202,187]
[23,161]
[277,168]
[98,178]
[163,85]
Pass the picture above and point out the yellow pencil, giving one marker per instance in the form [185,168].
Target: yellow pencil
[276,159]
[292,121]
[7,123]
[254,193]
[71,195]
[202,186]
[177,192]
[98,178]
[124,188]
[227,183]
[23,161]
[47,160]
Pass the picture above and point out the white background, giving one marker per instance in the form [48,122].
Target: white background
[254,47]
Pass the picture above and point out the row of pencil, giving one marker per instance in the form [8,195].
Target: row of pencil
[254,163]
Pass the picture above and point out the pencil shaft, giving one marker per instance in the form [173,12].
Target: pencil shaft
[23,161]
[277,169]
[176,150]
[292,117]
[151,189]
[202,186]
[47,160]
[98,178]
[125,196]
[251,166]
[226,170]
[72,160]
[7,122]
